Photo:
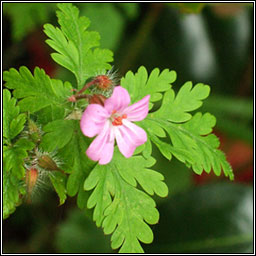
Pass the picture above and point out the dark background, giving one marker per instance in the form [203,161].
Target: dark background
[208,43]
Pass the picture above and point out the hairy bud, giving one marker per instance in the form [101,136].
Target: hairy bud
[34,131]
[103,82]
[46,162]
[31,180]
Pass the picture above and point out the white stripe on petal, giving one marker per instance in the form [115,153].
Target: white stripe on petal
[138,111]
[137,133]
[125,146]
[128,137]
[97,149]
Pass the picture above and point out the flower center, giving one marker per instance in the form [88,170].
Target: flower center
[116,118]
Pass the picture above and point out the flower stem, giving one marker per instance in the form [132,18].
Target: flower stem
[76,97]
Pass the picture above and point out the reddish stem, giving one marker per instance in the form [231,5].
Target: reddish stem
[76,97]
[86,86]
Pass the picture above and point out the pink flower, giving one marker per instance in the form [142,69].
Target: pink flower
[114,121]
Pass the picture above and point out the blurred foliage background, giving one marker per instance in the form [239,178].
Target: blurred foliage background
[208,43]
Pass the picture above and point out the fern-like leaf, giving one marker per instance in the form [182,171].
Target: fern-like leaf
[75,46]
[121,208]
[38,91]
[15,150]
[191,141]
[142,84]
[13,122]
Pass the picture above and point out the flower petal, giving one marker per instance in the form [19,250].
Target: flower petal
[119,100]
[93,120]
[102,147]
[137,111]
[128,137]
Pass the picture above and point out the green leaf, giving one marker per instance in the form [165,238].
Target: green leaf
[204,148]
[14,155]
[74,45]
[38,91]
[79,165]
[192,148]
[49,114]
[140,84]
[190,144]
[54,139]
[71,148]
[12,189]
[188,99]
[13,122]
[201,124]
[120,208]
[59,180]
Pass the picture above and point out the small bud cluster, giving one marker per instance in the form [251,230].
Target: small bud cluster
[38,164]
[101,87]
[32,131]
[37,172]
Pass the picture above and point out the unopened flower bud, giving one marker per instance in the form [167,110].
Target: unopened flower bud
[32,126]
[34,131]
[103,82]
[31,179]
[47,163]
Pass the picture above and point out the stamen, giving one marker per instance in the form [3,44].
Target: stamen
[117,120]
